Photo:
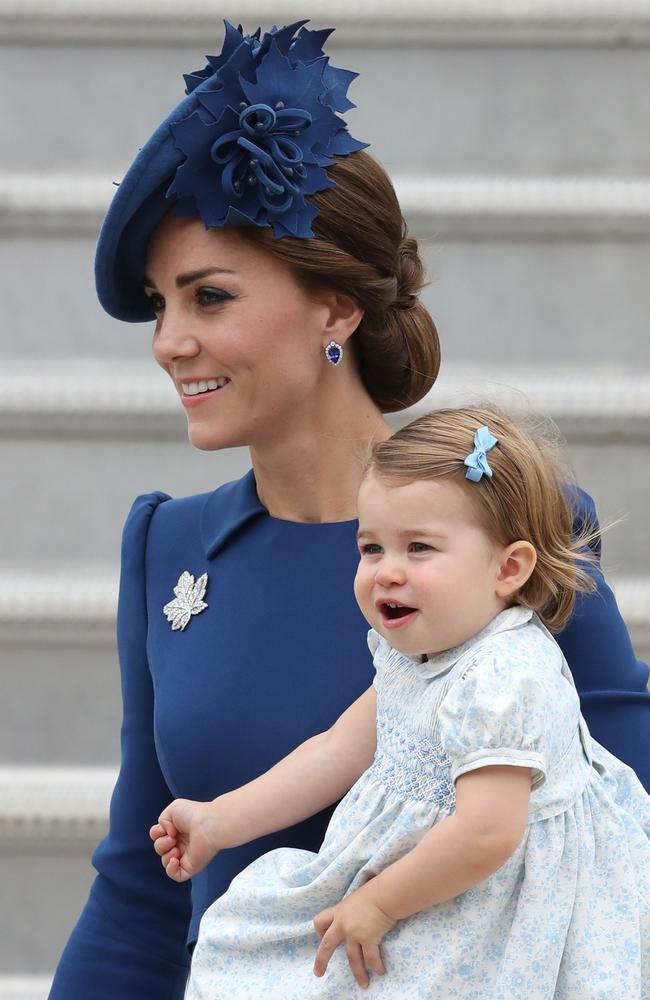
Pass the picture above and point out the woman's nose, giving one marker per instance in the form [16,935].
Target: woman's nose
[173,338]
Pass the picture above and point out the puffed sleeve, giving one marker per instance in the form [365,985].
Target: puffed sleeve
[611,682]
[496,713]
[129,941]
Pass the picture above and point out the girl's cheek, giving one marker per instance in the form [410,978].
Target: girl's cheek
[362,585]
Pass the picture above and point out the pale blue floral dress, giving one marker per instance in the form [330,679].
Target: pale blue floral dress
[567,917]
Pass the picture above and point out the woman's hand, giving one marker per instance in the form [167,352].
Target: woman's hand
[361,924]
[186,837]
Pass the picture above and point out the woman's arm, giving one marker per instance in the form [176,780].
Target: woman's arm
[130,940]
[316,774]
[611,682]
[462,850]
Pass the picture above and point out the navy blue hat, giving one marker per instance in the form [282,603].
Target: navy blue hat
[248,143]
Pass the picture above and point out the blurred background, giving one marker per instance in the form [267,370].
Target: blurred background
[517,134]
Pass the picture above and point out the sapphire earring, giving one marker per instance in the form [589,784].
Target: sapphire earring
[334,353]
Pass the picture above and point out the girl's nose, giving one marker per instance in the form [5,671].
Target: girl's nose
[173,339]
[389,573]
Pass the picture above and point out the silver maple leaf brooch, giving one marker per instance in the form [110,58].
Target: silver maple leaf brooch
[188,601]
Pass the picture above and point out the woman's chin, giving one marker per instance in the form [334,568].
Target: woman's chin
[209,439]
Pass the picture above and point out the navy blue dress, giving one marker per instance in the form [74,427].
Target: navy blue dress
[212,706]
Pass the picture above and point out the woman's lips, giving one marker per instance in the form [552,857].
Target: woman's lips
[201,397]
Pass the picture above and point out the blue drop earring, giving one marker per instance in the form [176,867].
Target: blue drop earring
[334,353]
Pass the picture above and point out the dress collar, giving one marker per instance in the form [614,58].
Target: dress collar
[440,663]
[227,510]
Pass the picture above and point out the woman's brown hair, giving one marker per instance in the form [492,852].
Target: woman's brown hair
[361,246]
[527,498]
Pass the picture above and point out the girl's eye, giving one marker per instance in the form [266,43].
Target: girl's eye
[420,547]
[211,296]
[370,549]
[156,302]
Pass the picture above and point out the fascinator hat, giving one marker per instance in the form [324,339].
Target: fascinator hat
[250,141]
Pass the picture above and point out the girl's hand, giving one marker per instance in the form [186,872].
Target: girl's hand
[361,924]
[186,837]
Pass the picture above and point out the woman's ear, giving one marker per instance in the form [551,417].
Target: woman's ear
[343,316]
[516,563]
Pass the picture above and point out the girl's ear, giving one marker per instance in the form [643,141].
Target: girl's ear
[516,563]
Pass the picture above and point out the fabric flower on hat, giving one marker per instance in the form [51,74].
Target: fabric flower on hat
[265,129]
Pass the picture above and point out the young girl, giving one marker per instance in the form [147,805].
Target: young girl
[486,847]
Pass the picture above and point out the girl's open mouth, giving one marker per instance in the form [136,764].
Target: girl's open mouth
[395,615]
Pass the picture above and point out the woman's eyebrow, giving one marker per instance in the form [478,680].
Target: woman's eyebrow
[186,279]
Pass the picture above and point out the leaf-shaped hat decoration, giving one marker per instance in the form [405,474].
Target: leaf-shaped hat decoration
[264,131]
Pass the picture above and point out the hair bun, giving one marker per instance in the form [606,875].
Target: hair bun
[363,249]
[409,274]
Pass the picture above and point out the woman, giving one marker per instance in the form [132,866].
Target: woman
[272,252]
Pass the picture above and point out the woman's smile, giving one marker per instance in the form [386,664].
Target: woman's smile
[258,337]
[197,391]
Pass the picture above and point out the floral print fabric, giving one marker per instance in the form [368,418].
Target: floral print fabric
[567,917]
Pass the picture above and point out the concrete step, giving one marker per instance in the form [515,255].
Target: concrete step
[60,673]
[84,438]
[450,22]
[24,987]
[510,278]
[542,252]
[513,106]
[85,398]
[44,890]
[62,701]
[545,206]
[51,817]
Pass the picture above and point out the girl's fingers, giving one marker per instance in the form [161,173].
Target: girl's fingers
[323,920]
[329,943]
[373,960]
[163,845]
[167,826]
[173,855]
[355,958]
[173,869]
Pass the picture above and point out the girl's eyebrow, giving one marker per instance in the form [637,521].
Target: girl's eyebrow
[406,533]
[189,276]
[426,532]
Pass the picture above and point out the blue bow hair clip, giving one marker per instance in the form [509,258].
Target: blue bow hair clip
[476,461]
[263,132]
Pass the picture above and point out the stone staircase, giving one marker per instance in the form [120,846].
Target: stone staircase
[517,135]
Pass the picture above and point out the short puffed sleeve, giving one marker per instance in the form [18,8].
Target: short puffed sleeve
[497,712]
[374,640]
[388,662]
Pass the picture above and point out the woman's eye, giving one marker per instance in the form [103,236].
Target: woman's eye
[370,549]
[156,302]
[211,296]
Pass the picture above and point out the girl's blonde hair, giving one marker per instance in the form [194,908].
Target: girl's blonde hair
[529,496]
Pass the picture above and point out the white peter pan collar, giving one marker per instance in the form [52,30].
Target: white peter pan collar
[440,663]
